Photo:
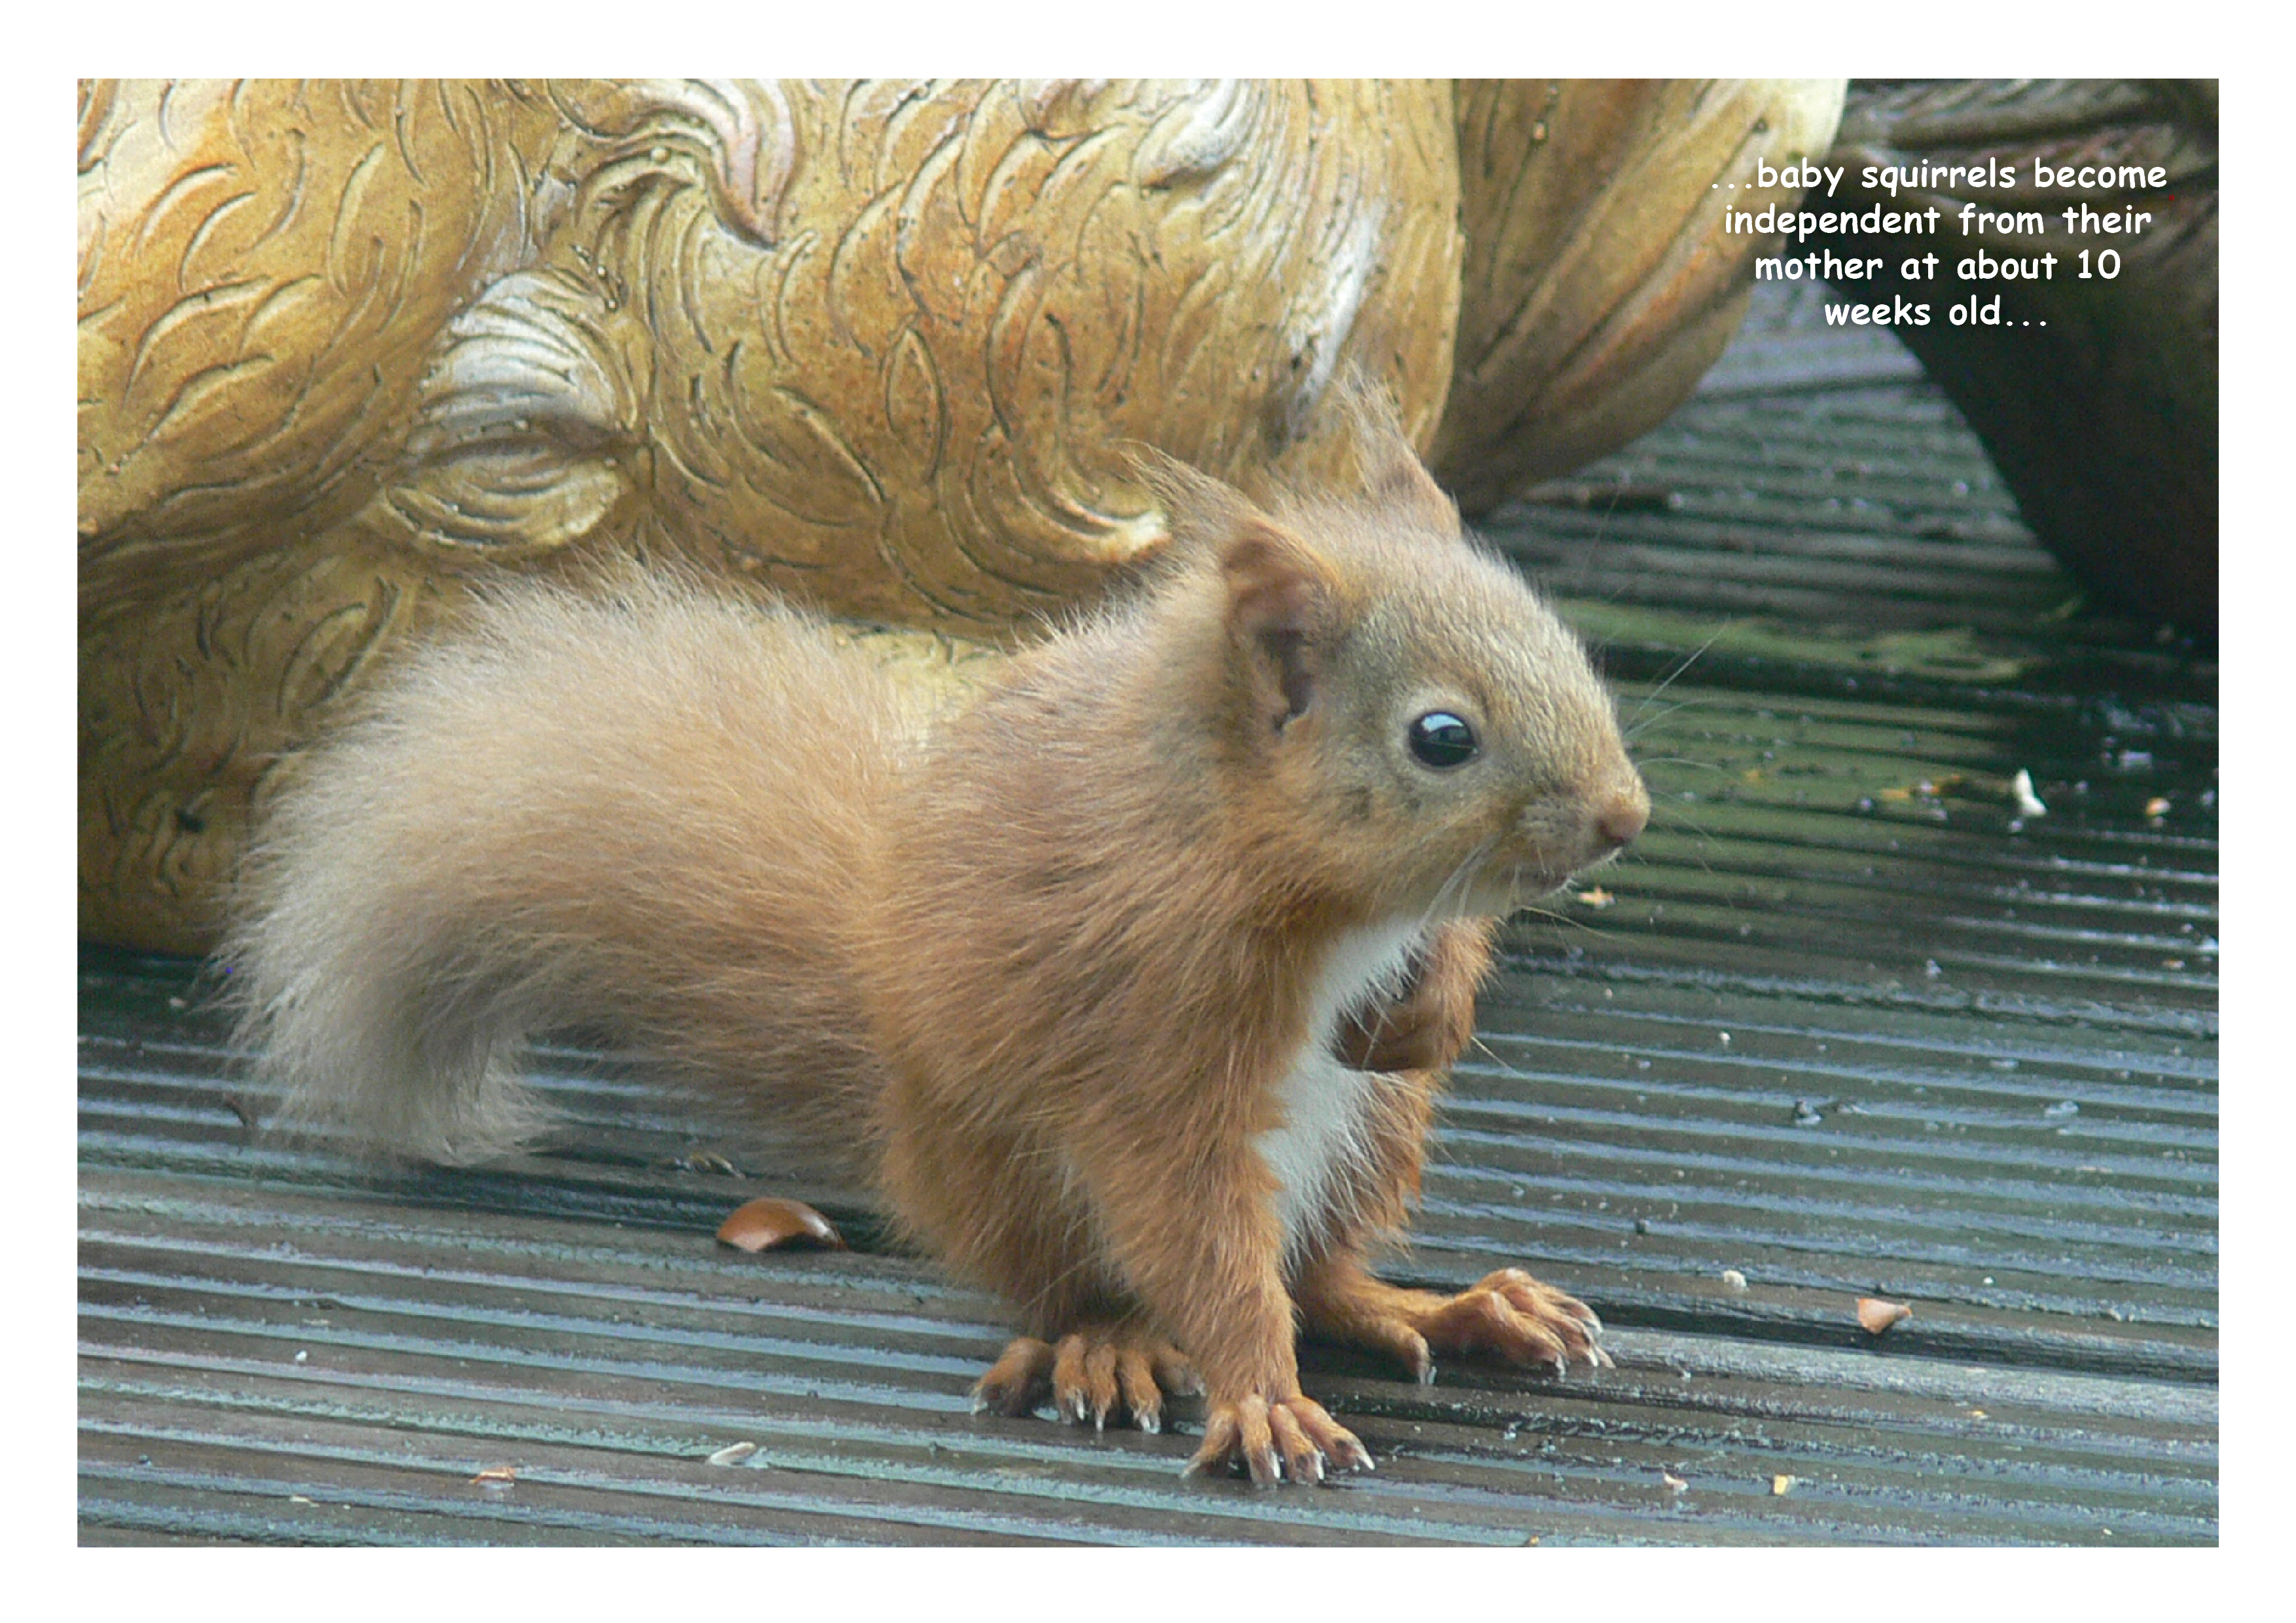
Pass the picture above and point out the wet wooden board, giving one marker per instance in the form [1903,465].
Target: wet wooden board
[1843,1025]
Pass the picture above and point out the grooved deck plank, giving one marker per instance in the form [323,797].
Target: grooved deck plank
[1842,1024]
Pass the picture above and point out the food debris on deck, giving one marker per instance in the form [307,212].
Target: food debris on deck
[771,1221]
[1877,1315]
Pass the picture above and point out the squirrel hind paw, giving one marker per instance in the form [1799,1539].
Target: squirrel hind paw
[1513,1316]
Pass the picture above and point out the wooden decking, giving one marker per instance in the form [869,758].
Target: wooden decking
[1847,1026]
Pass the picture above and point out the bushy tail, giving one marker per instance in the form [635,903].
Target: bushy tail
[645,805]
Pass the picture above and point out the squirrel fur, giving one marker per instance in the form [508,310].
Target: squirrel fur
[1129,984]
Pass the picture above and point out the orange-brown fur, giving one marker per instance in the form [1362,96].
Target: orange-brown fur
[1042,968]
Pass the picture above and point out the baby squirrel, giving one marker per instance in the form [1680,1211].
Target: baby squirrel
[1129,985]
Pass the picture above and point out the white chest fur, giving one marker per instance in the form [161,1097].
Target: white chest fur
[1323,1101]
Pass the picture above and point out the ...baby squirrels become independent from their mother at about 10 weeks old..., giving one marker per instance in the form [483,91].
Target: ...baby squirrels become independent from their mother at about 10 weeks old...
[1129,985]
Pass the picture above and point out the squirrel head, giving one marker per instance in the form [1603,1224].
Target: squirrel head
[1398,720]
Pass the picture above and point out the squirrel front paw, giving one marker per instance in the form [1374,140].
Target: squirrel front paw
[1273,1438]
[1429,1023]
[1092,1373]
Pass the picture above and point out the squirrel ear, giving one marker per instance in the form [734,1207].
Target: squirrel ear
[1199,511]
[1281,598]
[1393,475]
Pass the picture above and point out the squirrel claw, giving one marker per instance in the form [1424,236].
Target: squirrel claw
[1017,1381]
[1289,1438]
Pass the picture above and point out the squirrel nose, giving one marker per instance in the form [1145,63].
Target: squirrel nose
[1626,816]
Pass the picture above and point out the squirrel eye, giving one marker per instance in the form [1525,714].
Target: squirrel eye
[1440,739]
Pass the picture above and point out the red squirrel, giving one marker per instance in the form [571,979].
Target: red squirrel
[1129,984]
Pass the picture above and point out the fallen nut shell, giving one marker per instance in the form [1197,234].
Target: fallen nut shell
[771,1221]
[1877,1315]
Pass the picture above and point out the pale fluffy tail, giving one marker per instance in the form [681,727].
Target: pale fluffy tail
[644,806]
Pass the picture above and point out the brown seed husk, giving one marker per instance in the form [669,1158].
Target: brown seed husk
[771,1222]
